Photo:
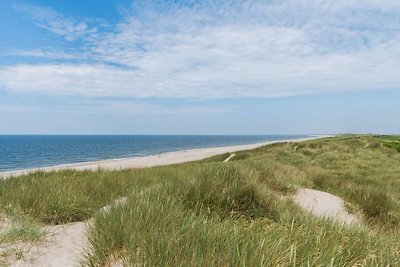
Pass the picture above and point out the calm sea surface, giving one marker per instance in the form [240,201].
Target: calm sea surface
[30,151]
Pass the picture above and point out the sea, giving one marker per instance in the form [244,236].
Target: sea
[19,152]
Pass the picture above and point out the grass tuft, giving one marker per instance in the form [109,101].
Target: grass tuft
[227,191]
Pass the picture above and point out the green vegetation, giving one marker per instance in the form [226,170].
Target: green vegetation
[391,142]
[18,228]
[66,196]
[230,214]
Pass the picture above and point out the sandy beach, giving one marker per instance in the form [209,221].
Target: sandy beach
[154,160]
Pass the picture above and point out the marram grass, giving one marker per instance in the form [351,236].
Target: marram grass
[239,213]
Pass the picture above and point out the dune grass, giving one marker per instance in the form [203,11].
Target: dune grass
[20,228]
[169,226]
[391,142]
[228,214]
[360,169]
[67,196]
[17,233]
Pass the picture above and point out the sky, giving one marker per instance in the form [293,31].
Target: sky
[199,67]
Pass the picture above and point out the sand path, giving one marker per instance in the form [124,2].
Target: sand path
[67,243]
[323,204]
[229,158]
[65,247]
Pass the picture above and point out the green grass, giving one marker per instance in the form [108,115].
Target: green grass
[230,214]
[67,196]
[229,220]
[392,142]
[18,229]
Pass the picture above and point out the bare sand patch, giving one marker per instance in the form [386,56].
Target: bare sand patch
[323,204]
[229,158]
[64,247]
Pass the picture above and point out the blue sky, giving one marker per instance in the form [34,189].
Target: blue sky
[199,67]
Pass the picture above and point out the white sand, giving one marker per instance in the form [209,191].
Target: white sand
[65,247]
[323,204]
[229,158]
[67,243]
[149,161]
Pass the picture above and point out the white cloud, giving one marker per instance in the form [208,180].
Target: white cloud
[247,49]
[55,22]
[42,53]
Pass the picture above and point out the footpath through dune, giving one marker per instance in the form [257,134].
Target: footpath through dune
[323,204]
[65,247]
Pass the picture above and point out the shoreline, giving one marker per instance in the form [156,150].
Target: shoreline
[167,158]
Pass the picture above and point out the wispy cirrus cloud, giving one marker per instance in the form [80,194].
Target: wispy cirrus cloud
[49,19]
[209,49]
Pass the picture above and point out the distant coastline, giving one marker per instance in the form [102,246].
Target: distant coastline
[166,158]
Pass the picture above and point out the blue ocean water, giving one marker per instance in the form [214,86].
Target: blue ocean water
[31,151]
